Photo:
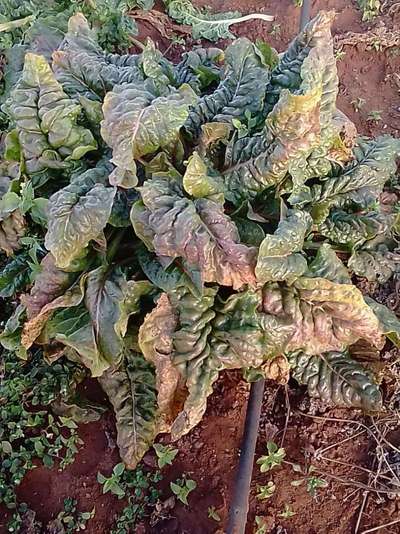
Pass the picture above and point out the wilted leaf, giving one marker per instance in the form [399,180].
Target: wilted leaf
[131,389]
[12,228]
[374,265]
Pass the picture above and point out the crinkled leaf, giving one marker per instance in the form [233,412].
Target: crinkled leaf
[327,265]
[353,229]
[278,256]
[334,377]
[390,324]
[82,67]
[155,342]
[77,214]
[109,301]
[242,88]
[131,389]
[46,119]
[199,68]
[137,123]
[198,231]
[374,265]
[193,355]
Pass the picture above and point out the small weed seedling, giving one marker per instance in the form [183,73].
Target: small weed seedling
[374,116]
[273,459]
[165,454]
[138,487]
[261,526]
[276,30]
[313,483]
[287,512]
[339,54]
[71,520]
[265,492]
[113,483]
[213,514]
[358,103]
[182,487]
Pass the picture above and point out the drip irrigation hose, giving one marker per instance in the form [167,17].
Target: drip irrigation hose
[240,503]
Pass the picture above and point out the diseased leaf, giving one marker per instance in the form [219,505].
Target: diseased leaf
[193,355]
[12,228]
[133,291]
[327,265]
[50,283]
[197,231]
[278,256]
[131,389]
[334,377]
[46,119]
[241,89]
[390,324]
[156,344]
[198,182]
[374,265]
[353,229]
[77,214]
[106,299]
[137,123]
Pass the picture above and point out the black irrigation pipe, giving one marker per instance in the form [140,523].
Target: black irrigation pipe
[240,502]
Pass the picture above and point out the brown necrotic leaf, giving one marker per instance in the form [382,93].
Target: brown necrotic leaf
[156,344]
[12,228]
[197,231]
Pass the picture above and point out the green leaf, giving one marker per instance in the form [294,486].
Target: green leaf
[334,377]
[132,392]
[77,214]
[137,123]
[273,459]
[206,25]
[15,275]
[129,303]
[241,89]
[165,454]
[46,119]
[278,256]
[199,68]
[198,231]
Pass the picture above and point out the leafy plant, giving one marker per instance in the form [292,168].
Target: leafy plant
[370,8]
[265,492]
[261,525]
[112,483]
[27,430]
[312,482]
[173,245]
[287,512]
[70,519]
[273,459]
[213,514]
[374,116]
[165,454]
[182,487]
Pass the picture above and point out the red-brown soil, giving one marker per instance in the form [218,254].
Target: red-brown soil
[209,454]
